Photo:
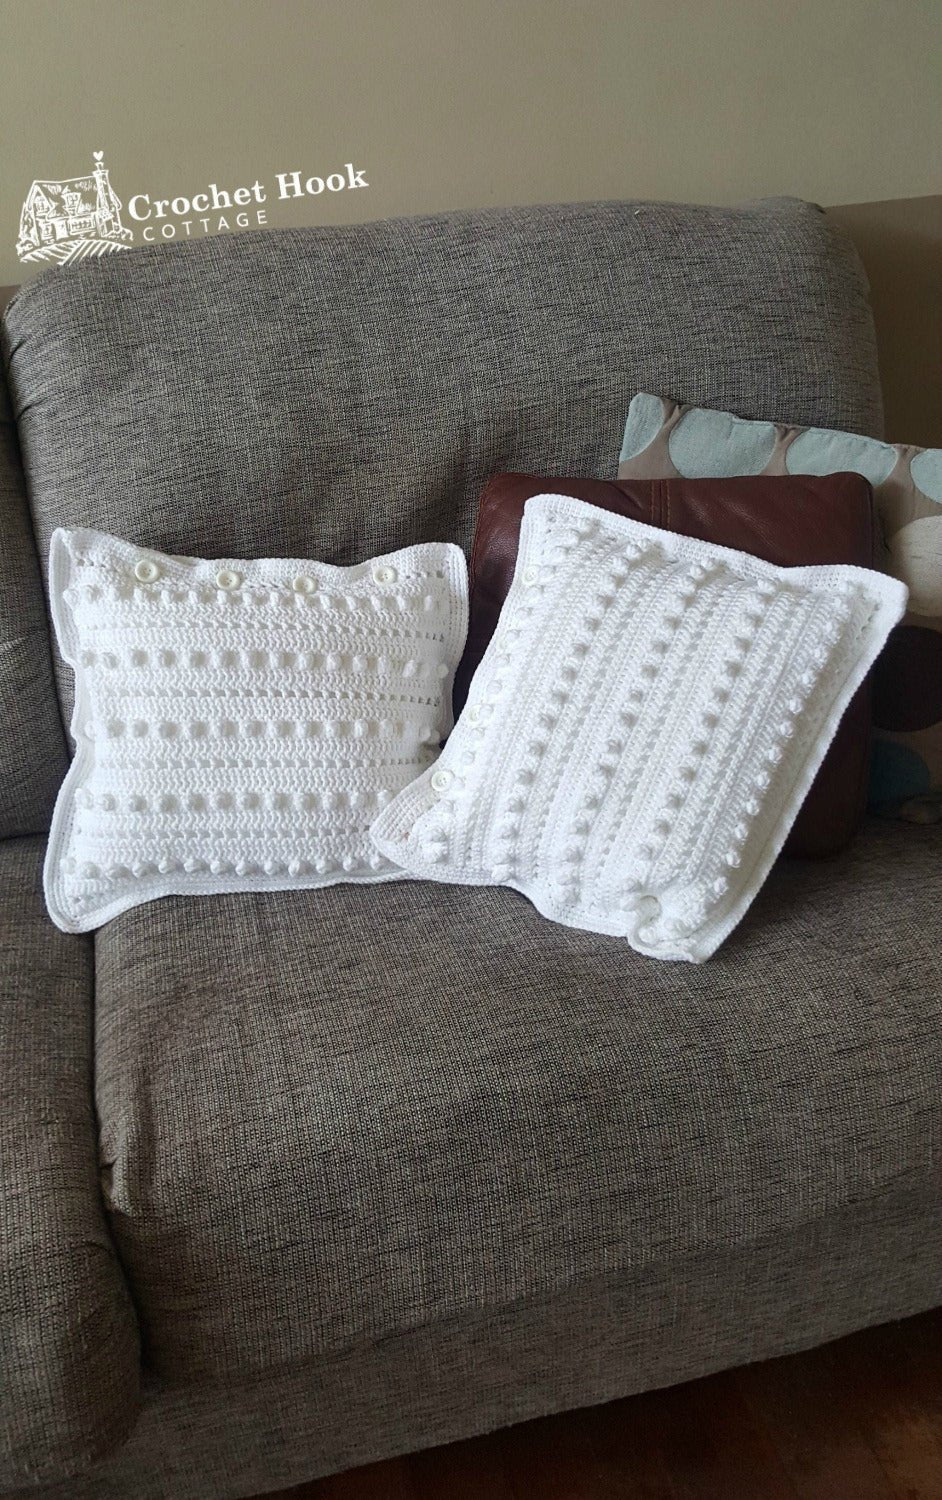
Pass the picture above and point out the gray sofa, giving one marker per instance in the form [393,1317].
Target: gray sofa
[294,1182]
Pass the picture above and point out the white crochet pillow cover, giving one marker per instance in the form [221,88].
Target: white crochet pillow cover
[643,728]
[239,724]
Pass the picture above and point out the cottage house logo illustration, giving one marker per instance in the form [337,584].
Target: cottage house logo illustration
[71,217]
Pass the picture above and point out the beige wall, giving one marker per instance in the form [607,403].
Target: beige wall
[473,103]
[900,243]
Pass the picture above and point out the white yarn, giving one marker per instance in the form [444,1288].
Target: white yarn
[239,724]
[643,728]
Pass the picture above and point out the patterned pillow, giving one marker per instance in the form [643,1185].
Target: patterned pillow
[664,439]
[239,724]
[644,726]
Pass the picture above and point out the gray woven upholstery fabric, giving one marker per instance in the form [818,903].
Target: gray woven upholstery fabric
[388,1167]
[69,1358]
[333,1117]
[336,392]
[32,744]
[592,1342]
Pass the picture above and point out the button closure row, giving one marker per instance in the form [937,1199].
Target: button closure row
[148,571]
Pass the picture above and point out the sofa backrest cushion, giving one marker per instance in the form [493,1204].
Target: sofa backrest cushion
[339,392]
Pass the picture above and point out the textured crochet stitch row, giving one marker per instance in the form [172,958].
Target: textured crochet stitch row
[643,728]
[238,725]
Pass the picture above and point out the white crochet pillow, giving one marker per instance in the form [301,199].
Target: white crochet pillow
[644,725]
[239,724]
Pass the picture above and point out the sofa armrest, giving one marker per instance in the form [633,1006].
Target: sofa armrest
[33,758]
[69,1355]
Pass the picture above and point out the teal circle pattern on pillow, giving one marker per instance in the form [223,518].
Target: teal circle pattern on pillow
[896,772]
[713,445]
[926,471]
[820,451]
[645,420]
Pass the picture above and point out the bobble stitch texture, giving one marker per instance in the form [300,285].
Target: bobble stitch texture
[211,686]
[651,771]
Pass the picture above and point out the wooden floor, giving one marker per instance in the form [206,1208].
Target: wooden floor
[856,1420]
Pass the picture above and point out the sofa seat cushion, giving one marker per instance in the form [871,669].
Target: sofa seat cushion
[331,1117]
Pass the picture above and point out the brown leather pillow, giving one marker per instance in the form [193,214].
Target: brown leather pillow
[789,520]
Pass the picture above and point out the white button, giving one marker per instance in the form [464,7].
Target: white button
[474,714]
[441,780]
[304,584]
[146,571]
[227,579]
[530,576]
[384,574]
